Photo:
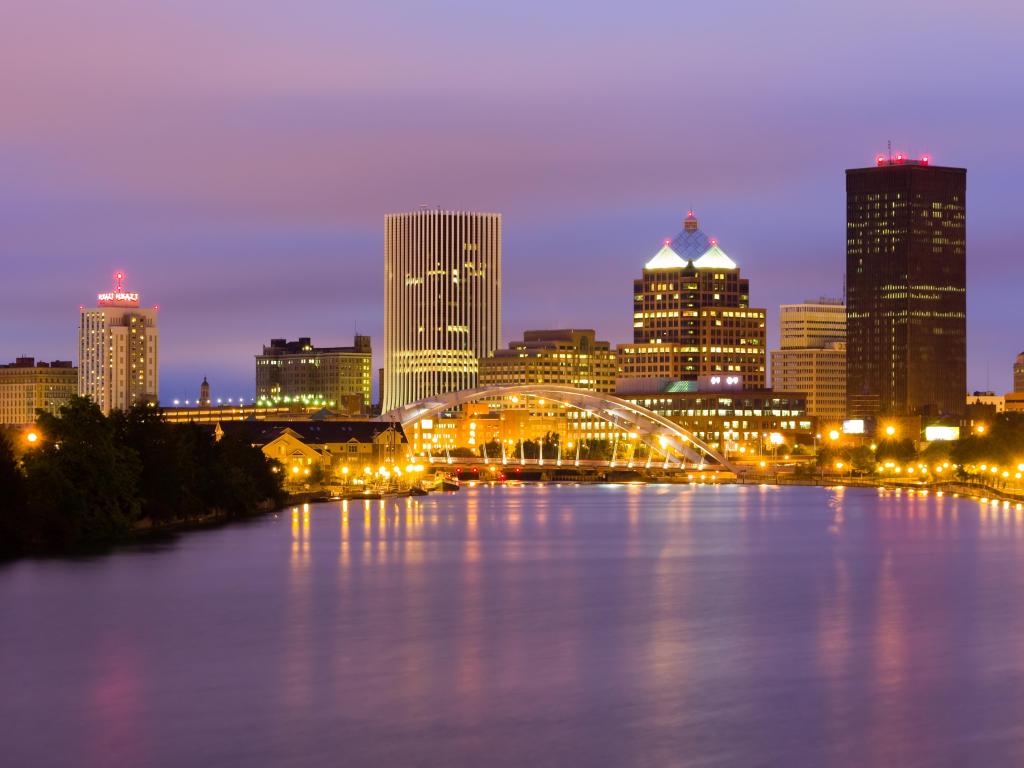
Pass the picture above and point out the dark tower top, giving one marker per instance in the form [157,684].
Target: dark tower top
[906,261]
[204,393]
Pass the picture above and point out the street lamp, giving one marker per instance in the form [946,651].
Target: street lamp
[32,437]
[890,430]
[833,435]
[776,440]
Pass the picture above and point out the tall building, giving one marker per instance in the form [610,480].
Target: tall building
[27,386]
[812,356]
[569,356]
[906,289]
[1018,373]
[442,301]
[337,377]
[118,348]
[692,317]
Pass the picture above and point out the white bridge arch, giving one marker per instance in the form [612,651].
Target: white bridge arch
[656,431]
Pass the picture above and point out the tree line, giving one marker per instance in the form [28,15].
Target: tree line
[89,480]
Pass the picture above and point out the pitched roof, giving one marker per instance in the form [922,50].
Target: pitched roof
[714,258]
[666,258]
[310,432]
[691,242]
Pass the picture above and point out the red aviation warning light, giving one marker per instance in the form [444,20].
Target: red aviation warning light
[880,160]
[667,241]
[925,160]
[119,297]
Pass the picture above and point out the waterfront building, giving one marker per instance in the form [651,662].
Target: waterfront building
[336,450]
[334,377]
[483,423]
[812,355]
[568,356]
[27,386]
[906,288]
[118,350]
[739,422]
[692,317]
[442,301]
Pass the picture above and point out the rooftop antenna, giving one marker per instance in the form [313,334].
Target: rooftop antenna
[890,150]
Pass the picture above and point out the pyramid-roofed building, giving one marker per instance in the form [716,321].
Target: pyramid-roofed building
[666,258]
[691,243]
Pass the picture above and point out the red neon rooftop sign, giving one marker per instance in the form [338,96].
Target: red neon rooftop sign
[119,297]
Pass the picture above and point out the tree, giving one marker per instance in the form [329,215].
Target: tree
[81,483]
[12,494]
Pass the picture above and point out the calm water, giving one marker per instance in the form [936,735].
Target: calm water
[562,626]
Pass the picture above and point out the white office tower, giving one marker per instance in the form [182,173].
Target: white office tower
[442,301]
[118,350]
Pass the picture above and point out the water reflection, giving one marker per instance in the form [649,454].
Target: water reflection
[626,625]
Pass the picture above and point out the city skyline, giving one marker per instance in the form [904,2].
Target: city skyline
[284,243]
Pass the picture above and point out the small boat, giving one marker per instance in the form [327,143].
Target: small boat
[417,491]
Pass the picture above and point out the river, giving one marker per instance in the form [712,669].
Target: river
[533,626]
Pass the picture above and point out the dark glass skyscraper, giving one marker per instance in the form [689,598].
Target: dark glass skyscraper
[906,289]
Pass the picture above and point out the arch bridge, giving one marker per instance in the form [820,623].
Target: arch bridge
[661,435]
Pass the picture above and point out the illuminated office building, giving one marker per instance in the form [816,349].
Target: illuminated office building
[27,386]
[118,350]
[906,289]
[569,356]
[812,356]
[442,301]
[1018,373]
[335,377]
[692,317]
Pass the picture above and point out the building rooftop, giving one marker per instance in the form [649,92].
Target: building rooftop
[666,258]
[714,258]
[691,242]
[311,432]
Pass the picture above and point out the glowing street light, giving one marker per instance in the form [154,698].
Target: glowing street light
[32,437]
[890,430]
[833,435]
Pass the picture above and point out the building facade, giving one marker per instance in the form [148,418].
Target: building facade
[118,350]
[906,289]
[27,386]
[335,377]
[1018,373]
[692,317]
[568,356]
[334,451]
[812,356]
[739,423]
[442,301]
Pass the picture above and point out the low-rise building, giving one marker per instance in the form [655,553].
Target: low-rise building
[739,422]
[334,377]
[333,450]
[27,386]
[568,356]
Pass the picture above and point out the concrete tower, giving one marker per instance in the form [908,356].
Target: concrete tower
[442,301]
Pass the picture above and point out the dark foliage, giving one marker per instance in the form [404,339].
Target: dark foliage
[91,479]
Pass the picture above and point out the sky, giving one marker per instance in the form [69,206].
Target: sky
[235,158]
